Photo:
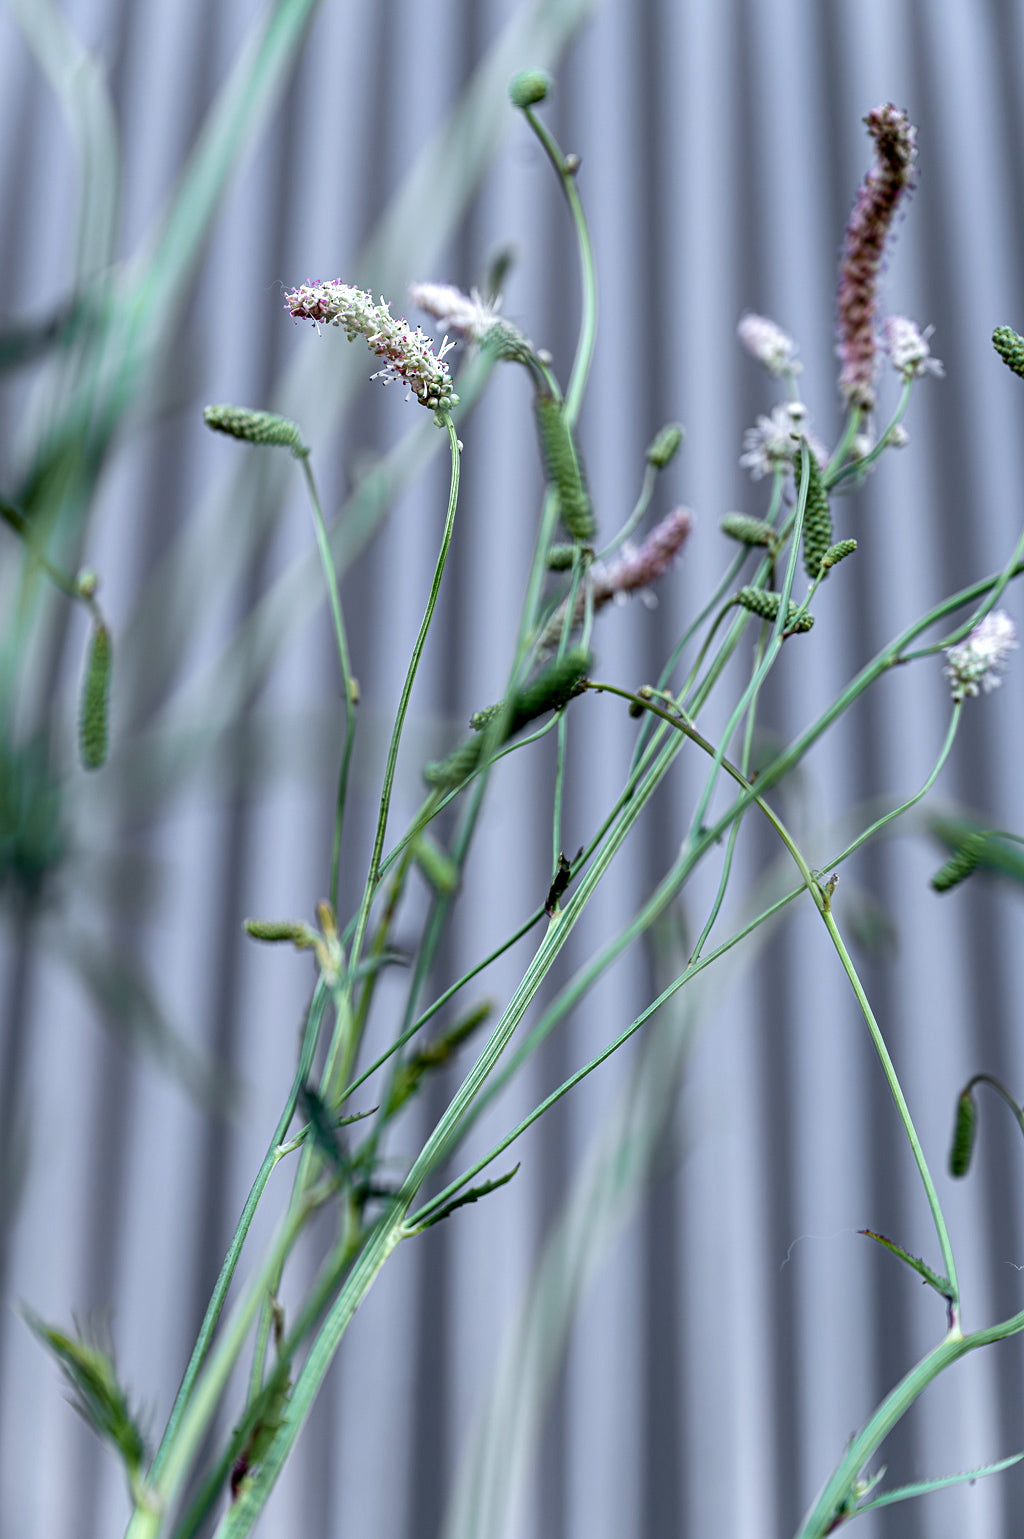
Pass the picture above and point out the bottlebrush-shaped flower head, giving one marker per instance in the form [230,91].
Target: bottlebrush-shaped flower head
[880,195]
[408,354]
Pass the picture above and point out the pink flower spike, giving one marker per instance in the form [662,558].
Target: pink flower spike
[870,222]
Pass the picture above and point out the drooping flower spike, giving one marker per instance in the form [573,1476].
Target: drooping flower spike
[408,353]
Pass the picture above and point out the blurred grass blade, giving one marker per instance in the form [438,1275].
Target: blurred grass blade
[77,81]
[129,1006]
[320,379]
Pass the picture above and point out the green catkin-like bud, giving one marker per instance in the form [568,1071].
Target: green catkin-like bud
[962,1147]
[279,930]
[549,691]
[92,727]
[767,606]
[1010,348]
[560,557]
[479,719]
[436,864]
[562,466]
[256,427]
[666,446]
[817,518]
[749,531]
[446,774]
[529,87]
[960,864]
[552,689]
[837,553]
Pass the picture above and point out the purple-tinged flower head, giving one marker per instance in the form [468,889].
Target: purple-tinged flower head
[638,566]
[907,346]
[408,354]
[870,222]
[634,570]
[769,344]
[975,663]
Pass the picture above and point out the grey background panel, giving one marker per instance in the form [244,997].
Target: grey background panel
[731,1329]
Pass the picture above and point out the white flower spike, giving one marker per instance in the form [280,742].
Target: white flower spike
[408,354]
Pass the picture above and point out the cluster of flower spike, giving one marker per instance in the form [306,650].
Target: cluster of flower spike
[408,354]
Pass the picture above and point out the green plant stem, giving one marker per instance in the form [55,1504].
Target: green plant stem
[373,872]
[1001,1091]
[227,1271]
[588,272]
[820,1520]
[347,681]
[824,907]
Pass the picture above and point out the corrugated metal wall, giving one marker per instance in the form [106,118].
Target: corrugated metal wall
[724,1328]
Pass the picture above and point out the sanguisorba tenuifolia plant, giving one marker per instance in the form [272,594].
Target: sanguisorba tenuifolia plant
[783,559]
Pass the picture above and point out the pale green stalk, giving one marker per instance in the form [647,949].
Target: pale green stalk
[347,681]
[373,873]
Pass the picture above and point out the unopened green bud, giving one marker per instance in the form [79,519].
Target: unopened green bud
[272,930]
[446,774]
[87,583]
[256,427]
[436,864]
[817,518]
[749,531]
[560,557]
[666,446]
[529,87]
[964,1129]
[92,725]
[838,552]
[552,689]
[563,469]
[960,864]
